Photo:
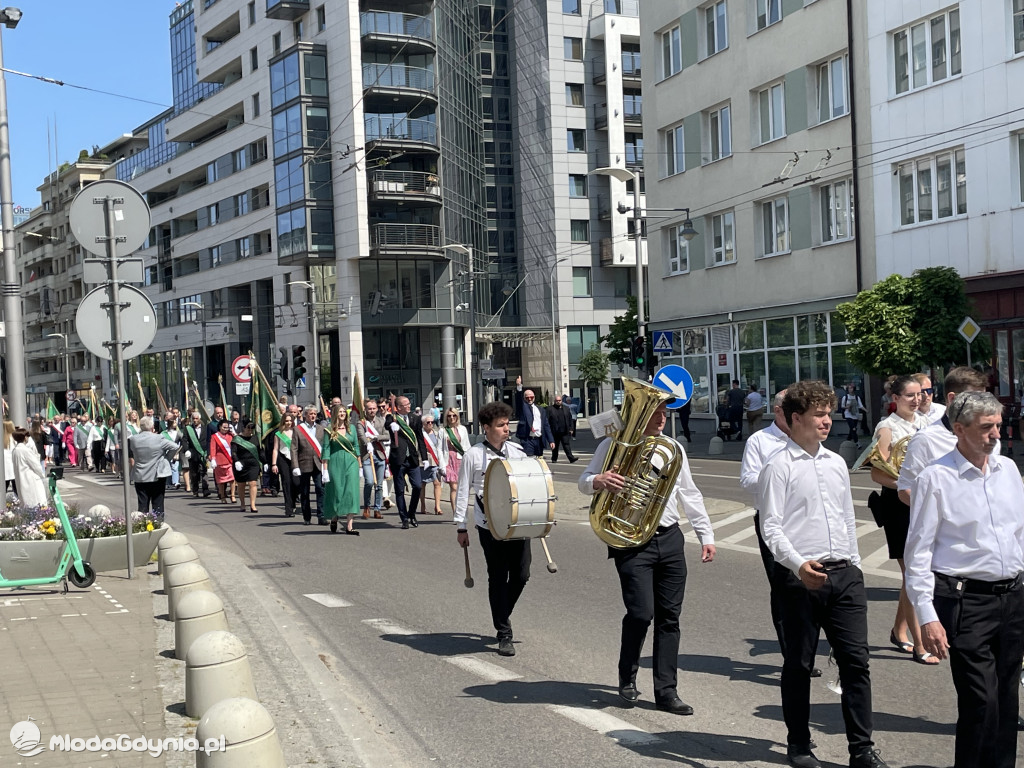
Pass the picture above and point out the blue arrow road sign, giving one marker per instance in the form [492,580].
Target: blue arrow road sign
[678,381]
[663,341]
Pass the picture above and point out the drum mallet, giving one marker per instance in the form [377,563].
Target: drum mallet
[552,565]
[469,575]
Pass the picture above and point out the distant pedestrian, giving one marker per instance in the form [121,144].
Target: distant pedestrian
[533,429]
[753,404]
[734,399]
[852,407]
[561,421]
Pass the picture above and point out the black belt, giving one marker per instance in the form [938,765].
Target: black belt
[665,529]
[834,565]
[979,587]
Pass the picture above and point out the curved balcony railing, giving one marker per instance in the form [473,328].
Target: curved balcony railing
[390,184]
[385,127]
[394,23]
[397,76]
[405,236]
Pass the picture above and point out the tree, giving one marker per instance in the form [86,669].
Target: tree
[593,369]
[621,333]
[904,324]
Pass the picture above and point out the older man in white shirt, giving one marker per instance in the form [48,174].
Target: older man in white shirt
[965,557]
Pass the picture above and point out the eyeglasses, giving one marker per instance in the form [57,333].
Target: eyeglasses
[928,391]
[528,398]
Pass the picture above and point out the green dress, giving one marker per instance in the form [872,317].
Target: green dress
[341,493]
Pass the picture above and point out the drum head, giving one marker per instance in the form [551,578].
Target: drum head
[497,495]
[519,498]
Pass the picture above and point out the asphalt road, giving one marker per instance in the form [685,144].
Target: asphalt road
[412,653]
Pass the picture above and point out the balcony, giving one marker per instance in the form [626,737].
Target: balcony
[287,10]
[405,240]
[390,31]
[631,114]
[403,133]
[630,67]
[404,186]
[398,83]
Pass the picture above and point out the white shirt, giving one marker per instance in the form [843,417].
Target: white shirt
[963,522]
[684,497]
[754,401]
[535,424]
[471,475]
[900,427]
[806,507]
[925,448]
[935,412]
[760,447]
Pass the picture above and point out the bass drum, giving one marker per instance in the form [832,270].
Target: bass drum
[519,498]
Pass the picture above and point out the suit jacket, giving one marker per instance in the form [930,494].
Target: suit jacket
[404,452]
[524,412]
[560,419]
[304,455]
[152,455]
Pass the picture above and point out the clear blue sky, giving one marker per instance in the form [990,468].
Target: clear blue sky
[118,46]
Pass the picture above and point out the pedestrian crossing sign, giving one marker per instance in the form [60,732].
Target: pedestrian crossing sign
[663,341]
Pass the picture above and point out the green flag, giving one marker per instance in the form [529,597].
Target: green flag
[264,410]
[51,410]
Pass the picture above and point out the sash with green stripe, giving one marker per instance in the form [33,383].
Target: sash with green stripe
[193,438]
[409,434]
[247,446]
[454,441]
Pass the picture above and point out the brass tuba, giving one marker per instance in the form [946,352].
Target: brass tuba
[650,465]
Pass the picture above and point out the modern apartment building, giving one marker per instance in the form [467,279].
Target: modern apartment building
[748,133]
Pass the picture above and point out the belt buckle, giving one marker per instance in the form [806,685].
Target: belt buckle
[1002,589]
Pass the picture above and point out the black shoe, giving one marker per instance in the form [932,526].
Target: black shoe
[195,495]
[289,513]
[815,672]
[628,695]
[305,522]
[801,757]
[675,705]
[334,526]
[505,647]
[321,521]
[574,459]
[405,525]
[867,759]
[413,523]
[207,494]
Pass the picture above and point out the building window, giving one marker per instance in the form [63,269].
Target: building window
[276,42]
[833,87]
[254,59]
[577,185]
[574,94]
[768,12]
[675,156]
[634,149]
[932,188]
[1018,26]
[927,52]
[573,48]
[571,6]
[255,104]
[719,126]
[723,238]
[717,33]
[298,27]
[671,52]
[580,338]
[579,231]
[252,13]
[581,283]
[678,250]
[321,19]
[775,227]
[771,107]
[836,205]
[576,139]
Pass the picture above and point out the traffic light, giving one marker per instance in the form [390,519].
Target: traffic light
[639,352]
[281,364]
[298,362]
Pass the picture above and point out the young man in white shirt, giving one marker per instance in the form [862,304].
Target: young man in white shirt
[508,562]
[965,557]
[808,525]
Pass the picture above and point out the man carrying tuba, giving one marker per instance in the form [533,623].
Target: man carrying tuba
[652,574]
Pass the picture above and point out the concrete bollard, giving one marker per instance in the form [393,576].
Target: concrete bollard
[175,556]
[169,540]
[848,450]
[216,668]
[250,738]
[98,510]
[715,446]
[197,613]
[185,578]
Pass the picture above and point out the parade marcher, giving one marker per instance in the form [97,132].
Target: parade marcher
[405,458]
[27,470]
[561,422]
[756,453]
[893,514]
[69,441]
[98,446]
[435,461]
[808,524]
[247,456]
[965,558]
[929,409]
[852,407]
[753,405]
[196,451]
[457,443]
[508,562]
[307,465]
[9,483]
[150,457]
[533,429]
[213,426]
[222,463]
[83,444]
[281,461]
[55,439]
[652,576]
[373,438]
[341,471]
[171,432]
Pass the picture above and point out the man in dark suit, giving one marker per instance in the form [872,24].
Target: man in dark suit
[307,445]
[533,431]
[213,426]
[407,458]
[560,418]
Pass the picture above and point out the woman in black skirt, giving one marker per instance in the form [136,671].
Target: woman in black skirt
[247,455]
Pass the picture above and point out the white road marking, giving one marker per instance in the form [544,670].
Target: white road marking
[746,513]
[708,474]
[387,628]
[329,601]
[484,669]
[602,722]
[744,534]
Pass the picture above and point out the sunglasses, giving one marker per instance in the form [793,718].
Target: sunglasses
[928,391]
[425,421]
[961,402]
[528,398]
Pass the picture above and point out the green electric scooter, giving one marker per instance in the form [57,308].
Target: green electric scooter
[71,566]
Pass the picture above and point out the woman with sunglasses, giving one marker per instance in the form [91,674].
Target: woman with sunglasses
[456,439]
[341,471]
[894,514]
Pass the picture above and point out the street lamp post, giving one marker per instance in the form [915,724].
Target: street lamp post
[555,378]
[206,357]
[67,371]
[316,336]
[474,362]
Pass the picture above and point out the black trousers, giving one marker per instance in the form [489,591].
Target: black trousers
[563,441]
[99,456]
[197,475]
[151,495]
[303,494]
[508,570]
[840,607]
[653,582]
[986,644]
[284,472]
[775,598]
[402,473]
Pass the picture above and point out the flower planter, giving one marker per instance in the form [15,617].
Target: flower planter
[38,559]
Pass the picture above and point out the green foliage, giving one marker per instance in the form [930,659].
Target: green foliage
[621,333]
[905,324]
[593,366]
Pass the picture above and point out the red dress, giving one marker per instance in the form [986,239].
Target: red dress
[220,455]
